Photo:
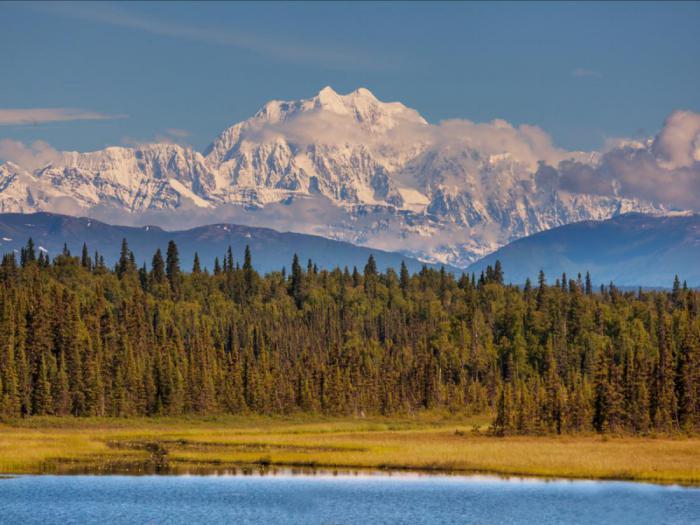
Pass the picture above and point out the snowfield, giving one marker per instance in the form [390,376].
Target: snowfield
[348,167]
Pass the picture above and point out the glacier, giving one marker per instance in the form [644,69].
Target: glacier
[347,167]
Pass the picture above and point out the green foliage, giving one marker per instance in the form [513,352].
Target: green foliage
[79,339]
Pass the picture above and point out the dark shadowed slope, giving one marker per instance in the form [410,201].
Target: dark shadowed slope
[632,249]
[271,250]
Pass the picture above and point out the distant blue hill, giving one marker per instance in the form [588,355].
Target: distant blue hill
[629,250]
[271,250]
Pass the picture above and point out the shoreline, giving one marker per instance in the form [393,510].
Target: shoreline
[349,472]
[424,445]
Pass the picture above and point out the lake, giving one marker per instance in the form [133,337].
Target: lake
[339,499]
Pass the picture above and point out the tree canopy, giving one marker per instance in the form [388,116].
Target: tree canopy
[78,338]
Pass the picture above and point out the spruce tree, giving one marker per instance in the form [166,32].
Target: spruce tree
[123,264]
[498,272]
[297,284]
[228,260]
[85,261]
[404,279]
[28,254]
[158,268]
[172,268]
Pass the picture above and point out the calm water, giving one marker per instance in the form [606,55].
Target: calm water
[338,500]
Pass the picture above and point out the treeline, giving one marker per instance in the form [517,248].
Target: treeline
[78,338]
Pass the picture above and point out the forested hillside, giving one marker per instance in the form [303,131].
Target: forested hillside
[78,338]
[272,249]
[631,250]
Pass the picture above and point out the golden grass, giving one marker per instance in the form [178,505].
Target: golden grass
[427,442]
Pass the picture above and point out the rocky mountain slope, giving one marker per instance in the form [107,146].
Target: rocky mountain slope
[347,167]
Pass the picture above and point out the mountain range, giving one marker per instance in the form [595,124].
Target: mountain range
[629,250]
[271,250]
[345,167]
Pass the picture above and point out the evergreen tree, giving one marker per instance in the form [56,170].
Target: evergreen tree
[498,272]
[404,281]
[297,284]
[228,261]
[551,360]
[28,254]
[249,275]
[85,261]
[370,276]
[172,268]
[124,263]
[664,398]
[541,289]
[158,268]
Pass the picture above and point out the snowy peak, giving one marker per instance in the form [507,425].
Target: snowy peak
[329,100]
[361,106]
[332,144]
[10,167]
[347,166]
[367,111]
[20,191]
[147,176]
[357,117]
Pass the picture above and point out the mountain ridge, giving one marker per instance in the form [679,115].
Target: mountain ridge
[270,248]
[629,250]
[347,167]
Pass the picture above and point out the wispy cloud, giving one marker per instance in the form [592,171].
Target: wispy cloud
[178,133]
[274,47]
[14,117]
[169,136]
[28,156]
[581,72]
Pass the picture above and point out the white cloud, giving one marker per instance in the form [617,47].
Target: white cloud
[665,170]
[168,136]
[14,117]
[30,157]
[581,72]
[526,143]
[179,133]
[269,45]
[678,143]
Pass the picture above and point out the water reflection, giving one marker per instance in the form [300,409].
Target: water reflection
[274,495]
[266,470]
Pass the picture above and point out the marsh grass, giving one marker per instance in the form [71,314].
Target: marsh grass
[434,442]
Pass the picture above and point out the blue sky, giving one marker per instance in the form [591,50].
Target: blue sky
[135,72]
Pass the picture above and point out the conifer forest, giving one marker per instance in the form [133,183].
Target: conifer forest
[558,355]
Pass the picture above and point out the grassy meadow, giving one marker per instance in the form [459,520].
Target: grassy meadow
[422,443]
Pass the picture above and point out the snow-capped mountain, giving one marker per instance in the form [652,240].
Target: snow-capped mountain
[349,167]
[20,191]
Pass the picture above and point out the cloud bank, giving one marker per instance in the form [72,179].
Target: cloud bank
[526,143]
[20,117]
[28,156]
[665,169]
